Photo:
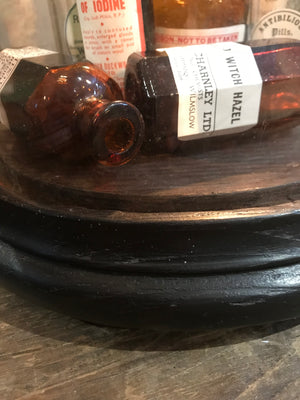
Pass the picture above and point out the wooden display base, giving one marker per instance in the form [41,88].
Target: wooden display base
[207,237]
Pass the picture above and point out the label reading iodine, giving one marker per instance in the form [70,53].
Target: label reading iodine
[219,88]
[111,31]
[9,60]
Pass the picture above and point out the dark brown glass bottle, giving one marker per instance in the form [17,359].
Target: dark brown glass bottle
[150,85]
[75,111]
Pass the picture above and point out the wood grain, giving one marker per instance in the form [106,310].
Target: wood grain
[46,355]
[251,170]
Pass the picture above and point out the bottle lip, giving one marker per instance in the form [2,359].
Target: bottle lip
[117,132]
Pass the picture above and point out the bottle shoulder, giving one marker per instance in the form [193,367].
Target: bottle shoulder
[152,72]
[199,14]
[278,61]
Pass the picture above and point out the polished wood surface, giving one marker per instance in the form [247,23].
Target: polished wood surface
[253,169]
[46,356]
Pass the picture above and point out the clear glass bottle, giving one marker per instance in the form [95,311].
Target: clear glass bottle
[192,22]
[274,19]
[48,24]
[112,30]
[151,86]
[26,23]
[66,27]
[74,111]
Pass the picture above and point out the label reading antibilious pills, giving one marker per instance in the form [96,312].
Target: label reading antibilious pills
[9,60]
[278,24]
[219,88]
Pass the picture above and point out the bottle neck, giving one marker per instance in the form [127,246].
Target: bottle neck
[113,131]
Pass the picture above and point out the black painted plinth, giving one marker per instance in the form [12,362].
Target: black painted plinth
[166,274]
[204,238]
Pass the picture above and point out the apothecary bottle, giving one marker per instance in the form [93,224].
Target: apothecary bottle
[66,27]
[274,19]
[27,23]
[112,30]
[48,24]
[192,22]
[73,111]
[205,91]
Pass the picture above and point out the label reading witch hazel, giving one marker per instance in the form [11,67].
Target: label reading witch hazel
[9,60]
[219,89]
[111,31]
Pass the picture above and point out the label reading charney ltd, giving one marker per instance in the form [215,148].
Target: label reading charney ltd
[219,88]
[9,60]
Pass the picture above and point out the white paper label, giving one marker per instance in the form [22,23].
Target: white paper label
[111,31]
[73,35]
[167,37]
[219,89]
[9,60]
[278,24]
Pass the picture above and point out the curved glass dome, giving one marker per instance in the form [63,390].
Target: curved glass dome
[178,189]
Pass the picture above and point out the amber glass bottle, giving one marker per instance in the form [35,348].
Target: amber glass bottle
[191,22]
[76,111]
[151,86]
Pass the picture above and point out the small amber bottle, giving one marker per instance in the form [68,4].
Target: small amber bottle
[192,22]
[180,101]
[75,111]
